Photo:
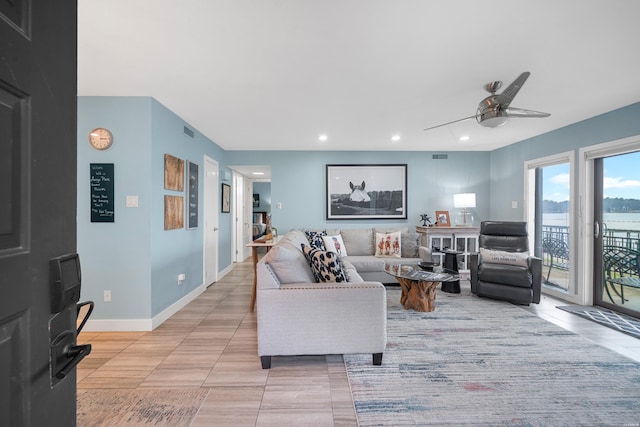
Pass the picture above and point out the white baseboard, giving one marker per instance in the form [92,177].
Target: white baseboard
[143,325]
[226,271]
[175,307]
[131,325]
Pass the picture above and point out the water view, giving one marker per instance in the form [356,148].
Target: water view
[612,221]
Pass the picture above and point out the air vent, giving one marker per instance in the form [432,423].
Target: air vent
[439,156]
[189,132]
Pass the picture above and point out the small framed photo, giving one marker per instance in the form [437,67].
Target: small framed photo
[443,219]
[226,198]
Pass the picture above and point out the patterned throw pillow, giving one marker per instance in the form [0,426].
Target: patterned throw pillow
[315,238]
[410,243]
[335,244]
[388,245]
[326,266]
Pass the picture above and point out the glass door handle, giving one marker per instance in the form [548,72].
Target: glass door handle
[597,229]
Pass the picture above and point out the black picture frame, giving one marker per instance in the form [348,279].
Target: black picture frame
[226,198]
[192,195]
[384,195]
[256,200]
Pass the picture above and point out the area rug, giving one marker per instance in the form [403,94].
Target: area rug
[480,362]
[175,407]
[608,318]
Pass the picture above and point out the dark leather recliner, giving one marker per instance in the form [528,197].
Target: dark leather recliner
[499,277]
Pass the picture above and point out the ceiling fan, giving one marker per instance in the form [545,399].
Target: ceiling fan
[494,110]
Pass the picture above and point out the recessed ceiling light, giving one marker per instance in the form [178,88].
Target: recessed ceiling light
[395,138]
[323,137]
[258,173]
[464,138]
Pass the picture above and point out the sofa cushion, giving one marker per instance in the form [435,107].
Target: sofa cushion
[350,271]
[326,265]
[335,244]
[315,238]
[502,257]
[358,241]
[293,239]
[289,265]
[388,244]
[410,244]
[365,264]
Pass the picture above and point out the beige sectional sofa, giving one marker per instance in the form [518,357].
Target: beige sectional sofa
[298,316]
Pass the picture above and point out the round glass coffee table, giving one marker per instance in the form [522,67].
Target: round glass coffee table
[418,287]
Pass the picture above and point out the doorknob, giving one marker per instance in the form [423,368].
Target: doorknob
[215,228]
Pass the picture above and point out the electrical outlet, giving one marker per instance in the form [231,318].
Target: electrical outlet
[107,296]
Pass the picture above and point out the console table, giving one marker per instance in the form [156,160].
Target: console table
[441,239]
[259,243]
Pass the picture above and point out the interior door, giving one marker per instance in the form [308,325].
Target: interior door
[37,204]
[211,221]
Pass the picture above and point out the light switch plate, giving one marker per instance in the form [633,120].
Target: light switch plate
[132,201]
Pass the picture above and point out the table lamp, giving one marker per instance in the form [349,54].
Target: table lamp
[464,201]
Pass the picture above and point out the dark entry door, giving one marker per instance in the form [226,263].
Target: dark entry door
[37,203]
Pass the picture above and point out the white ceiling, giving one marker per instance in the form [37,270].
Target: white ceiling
[275,74]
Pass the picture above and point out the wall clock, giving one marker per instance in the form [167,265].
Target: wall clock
[100,138]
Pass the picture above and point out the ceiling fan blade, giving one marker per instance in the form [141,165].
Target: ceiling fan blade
[448,123]
[520,112]
[512,90]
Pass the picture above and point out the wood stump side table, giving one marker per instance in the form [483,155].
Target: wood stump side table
[418,287]
[418,294]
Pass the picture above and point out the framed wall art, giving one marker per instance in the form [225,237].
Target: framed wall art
[173,212]
[173,173]
[226,198]
[192,195]
[366,191]
[442,218]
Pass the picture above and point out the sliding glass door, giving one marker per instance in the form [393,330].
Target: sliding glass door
[617,232]
[549,217]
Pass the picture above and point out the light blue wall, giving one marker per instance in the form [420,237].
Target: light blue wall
[139,261]
[264,190]
[507,170]
[180,250]
[116,256]
[135,257]
[298,182]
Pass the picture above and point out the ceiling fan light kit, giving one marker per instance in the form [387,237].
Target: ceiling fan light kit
[493,111]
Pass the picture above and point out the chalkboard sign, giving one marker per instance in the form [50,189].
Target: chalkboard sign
[101,182]
[192,197]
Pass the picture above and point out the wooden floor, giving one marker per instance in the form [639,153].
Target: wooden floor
[212,344]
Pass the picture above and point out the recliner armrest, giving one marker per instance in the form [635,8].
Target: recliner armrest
[535,265]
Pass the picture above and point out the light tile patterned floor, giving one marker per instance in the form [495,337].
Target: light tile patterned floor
[212,343]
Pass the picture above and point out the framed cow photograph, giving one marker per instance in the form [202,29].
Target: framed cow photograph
[366,191]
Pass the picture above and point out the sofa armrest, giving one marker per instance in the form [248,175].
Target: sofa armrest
[425,253]
[322,318]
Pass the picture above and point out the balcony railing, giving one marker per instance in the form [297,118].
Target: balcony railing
[629,239]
